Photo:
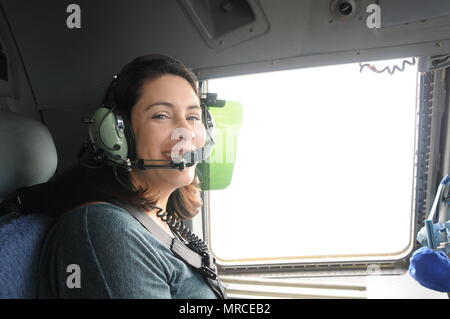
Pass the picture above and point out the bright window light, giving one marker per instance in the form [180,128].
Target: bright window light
[324,167]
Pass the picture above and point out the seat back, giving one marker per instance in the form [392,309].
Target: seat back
[28,157]
[20,241]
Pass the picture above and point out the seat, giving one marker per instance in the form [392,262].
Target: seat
[28,157]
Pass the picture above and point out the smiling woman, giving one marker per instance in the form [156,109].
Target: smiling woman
[150,110]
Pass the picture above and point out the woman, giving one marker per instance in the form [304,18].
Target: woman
[97,249]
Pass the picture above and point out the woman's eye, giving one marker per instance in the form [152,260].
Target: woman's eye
[164,116]
[159,116]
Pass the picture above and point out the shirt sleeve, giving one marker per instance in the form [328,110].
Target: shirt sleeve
[98,251]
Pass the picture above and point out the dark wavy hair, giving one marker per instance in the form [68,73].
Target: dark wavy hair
[100,183]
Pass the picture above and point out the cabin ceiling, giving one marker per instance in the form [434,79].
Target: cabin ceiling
[72,67]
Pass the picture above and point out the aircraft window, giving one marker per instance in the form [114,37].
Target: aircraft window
[3,64]
[324,166]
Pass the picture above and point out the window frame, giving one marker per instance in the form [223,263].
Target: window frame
[431,128]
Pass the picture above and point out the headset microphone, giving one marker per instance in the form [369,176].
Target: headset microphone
[189,159]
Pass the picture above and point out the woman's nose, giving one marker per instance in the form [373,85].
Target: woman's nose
[184,130]
[183,133]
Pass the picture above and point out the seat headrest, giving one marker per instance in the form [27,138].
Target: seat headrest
[27,153]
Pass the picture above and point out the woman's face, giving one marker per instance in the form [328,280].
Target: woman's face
[167,122]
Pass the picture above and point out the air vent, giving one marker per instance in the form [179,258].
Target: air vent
[224,23]
[345,9]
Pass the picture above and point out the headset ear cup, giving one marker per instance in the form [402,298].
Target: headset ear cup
[107,132]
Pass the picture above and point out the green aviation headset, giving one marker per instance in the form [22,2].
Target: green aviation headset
[112,139]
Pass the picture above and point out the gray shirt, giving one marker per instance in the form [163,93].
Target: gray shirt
[101,251]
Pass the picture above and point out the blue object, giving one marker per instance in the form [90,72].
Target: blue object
[20,243]
[431,269]
[428,265]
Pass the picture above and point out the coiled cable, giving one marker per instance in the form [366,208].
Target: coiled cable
[387,68]
[180,228]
